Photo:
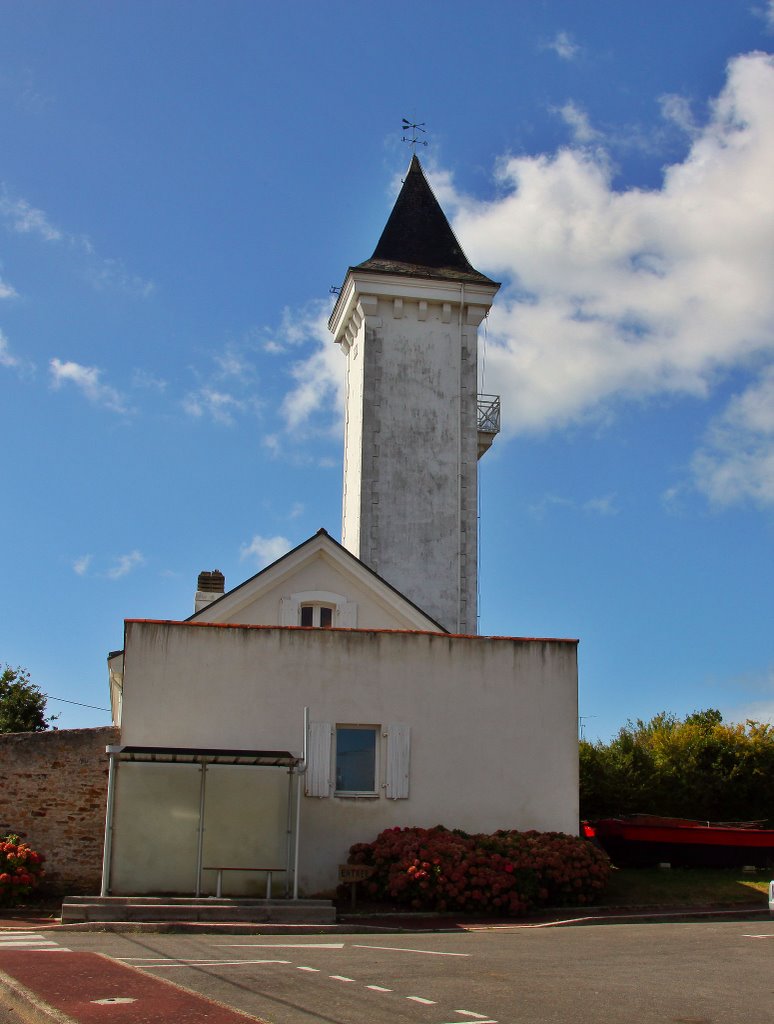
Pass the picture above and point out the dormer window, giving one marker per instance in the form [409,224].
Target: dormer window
[319,615]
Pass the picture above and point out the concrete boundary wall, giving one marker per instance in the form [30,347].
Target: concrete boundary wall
[54,790]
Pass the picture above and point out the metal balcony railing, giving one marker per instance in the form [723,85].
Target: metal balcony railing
[489,414]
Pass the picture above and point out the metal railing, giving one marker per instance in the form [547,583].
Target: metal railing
[489,414]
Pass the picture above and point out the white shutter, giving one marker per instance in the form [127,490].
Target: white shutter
[288,611]
[317,780]
[398,756]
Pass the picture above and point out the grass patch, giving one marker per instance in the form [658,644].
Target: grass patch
[684,887]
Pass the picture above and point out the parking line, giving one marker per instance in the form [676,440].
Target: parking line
[403,949]
[284,945]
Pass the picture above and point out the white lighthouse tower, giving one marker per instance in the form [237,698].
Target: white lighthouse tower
[407,320]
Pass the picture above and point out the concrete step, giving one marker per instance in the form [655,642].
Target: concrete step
[143,908]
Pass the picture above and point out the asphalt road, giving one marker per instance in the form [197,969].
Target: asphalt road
[664,973]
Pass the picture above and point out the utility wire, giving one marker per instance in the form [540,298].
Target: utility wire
[80,705]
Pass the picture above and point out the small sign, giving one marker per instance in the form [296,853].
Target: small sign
[355,872]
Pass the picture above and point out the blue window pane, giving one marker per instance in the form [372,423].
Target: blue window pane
[356,760]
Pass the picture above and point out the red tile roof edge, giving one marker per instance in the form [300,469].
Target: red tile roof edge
[339,629]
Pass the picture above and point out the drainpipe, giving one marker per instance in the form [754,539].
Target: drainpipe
[200,835]
[108,847]
[300,770]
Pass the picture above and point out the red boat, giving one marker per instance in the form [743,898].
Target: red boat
[640,840]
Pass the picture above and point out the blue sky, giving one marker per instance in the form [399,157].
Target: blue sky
[181,184]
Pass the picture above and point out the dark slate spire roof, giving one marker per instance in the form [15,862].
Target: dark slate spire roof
[418,240]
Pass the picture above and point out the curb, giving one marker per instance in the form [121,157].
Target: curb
[27,1005]
[398,922]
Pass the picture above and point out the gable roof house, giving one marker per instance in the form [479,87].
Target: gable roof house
[344,688]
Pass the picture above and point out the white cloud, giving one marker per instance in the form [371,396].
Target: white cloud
[7,291]
[7,358]
[146,381]
[757,703]
[319,377]
[614,294]
[101,272]
[81,565]
[26,219]
[108,274]
[577,120]
[677,109]
[564,46]
[604,505]
[737,461]
[219,406]
[265,550]
[766,12]
[124,564]
[88,381]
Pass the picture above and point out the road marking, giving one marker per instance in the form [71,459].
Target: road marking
[403,949]
[113,999]
[30,941]
[285,945]
[164,963]
[168,964]
[771,936]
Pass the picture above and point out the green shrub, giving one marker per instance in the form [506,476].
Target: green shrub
[508,873]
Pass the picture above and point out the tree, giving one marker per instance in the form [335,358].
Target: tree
[22,703]
[700,767]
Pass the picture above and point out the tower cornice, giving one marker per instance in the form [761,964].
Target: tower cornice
[476,298]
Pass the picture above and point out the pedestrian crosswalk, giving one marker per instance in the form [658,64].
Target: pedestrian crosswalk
[30,941]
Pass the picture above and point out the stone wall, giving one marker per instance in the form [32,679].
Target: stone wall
[54,790]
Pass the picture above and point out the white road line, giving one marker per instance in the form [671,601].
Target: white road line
[340,977]
[419,999]
[206,963]
[22,943]
[378,988]
[315,970]
[284,945]
[30,941]
[403,949]
[771,936]
[470,1013]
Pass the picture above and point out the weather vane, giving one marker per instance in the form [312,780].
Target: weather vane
[414,141]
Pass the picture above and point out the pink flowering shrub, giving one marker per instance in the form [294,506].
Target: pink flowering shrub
[20,870]
[508,873]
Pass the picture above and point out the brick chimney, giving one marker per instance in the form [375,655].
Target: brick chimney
[209,587]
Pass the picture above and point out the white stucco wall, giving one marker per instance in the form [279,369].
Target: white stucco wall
[493,720]
[411,437]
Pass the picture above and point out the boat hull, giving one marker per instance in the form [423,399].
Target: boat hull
[638,844]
